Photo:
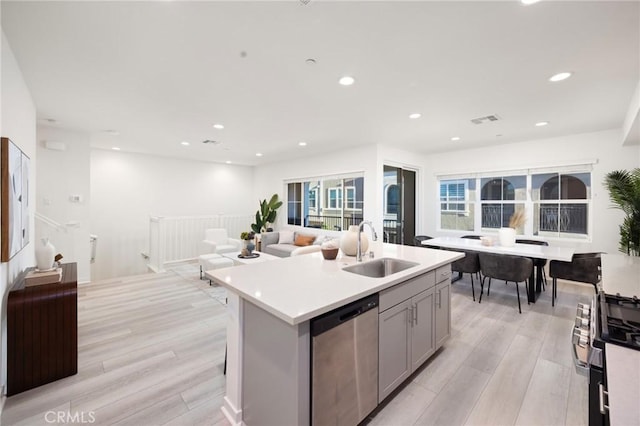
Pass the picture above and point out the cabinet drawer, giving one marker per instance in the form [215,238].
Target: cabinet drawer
[443,273]
[403,291]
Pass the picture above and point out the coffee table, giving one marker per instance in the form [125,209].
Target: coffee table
[264,257]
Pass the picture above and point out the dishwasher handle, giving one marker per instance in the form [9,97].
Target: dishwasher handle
[343,314]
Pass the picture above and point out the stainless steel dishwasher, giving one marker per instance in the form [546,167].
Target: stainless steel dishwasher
[344,362]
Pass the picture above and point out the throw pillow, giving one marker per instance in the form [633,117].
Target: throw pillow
[304,240]
[285,237]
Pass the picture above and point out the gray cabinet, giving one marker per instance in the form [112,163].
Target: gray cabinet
[442,312]
[406,328]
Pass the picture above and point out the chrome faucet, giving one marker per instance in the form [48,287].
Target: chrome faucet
[358,244]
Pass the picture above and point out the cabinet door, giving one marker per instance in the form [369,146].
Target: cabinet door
[394,356]
[443,312]
[422,339]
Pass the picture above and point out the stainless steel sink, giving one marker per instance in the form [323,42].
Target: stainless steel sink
[380,267]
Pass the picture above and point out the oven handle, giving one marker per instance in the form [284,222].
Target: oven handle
[601,393]
[582,368]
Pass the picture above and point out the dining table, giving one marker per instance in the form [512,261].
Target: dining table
[549,252]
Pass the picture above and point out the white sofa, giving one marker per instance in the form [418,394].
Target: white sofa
[272,243]
[216,240]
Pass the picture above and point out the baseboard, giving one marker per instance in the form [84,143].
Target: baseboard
[232,413]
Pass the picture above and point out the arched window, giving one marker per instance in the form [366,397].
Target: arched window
[559,216]
[496,214]
[498,189]
[563,187]
[393,199]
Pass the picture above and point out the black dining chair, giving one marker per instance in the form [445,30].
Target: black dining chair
[418,239]
[584,268]
[504,267]
[469,264]
[471,237]
[539,264]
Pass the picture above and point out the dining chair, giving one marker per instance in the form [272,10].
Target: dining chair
[584,268]
[504,267]
[539,264]
[418,239]
[469,264]
[471,237]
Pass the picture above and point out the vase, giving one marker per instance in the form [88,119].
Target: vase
[349,241]
[507,237]
[250,247]
[45,253]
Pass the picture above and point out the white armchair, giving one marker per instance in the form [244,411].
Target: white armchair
[216,240]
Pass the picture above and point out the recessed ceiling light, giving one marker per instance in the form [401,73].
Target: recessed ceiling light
[218,126]
[415,115]
[185,143]
[302,143]
[542,123]
[310,61]
[115,148]
[560,76]
[528,2]
[258,154]
[455,138]
[228,161]
[347,80]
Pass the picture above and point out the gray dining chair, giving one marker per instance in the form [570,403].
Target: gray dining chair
[418,239]
[469,264]
[504,267]
[584,268]
[539,264]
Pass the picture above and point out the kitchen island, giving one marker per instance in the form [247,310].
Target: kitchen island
[270,308]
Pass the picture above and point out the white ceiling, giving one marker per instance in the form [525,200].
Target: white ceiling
[163,72]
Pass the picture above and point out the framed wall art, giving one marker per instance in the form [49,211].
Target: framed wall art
[14,193]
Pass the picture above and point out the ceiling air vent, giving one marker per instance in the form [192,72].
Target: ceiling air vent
[210,142]
[487,119]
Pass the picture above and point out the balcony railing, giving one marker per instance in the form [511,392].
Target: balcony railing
[392,231]
[569,218]
[334,223]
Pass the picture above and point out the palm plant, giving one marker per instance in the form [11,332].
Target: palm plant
[624,192]
[267,214]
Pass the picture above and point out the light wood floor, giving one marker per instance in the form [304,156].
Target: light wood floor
[151,352]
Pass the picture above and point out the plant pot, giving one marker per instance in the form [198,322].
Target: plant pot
[507,237]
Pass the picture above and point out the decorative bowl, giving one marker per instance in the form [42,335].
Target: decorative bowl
[330,253]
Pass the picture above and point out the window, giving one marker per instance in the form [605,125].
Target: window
[561,203]
[329,203]
[498,197]
[453,196]
[334,198]
[556,202]
[457,198]
[393,199]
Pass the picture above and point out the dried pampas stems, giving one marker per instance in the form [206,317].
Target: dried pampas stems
[517,219]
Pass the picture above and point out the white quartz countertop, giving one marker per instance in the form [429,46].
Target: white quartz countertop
[297,289]
[621,274]
[623,385]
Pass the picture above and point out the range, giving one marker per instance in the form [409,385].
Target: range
[606,332]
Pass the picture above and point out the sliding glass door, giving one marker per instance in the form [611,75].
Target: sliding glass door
[399,195]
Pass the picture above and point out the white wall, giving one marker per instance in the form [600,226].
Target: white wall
[126,189]
[605,147]
[18,123]
[61,174]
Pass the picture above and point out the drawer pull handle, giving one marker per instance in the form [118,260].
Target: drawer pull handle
[603,407]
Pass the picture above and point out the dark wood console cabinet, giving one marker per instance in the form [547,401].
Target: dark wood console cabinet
[42,332]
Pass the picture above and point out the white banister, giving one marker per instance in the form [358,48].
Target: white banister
[179,238]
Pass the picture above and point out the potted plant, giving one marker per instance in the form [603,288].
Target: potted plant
[624,192]
[266,215]
[249,245]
